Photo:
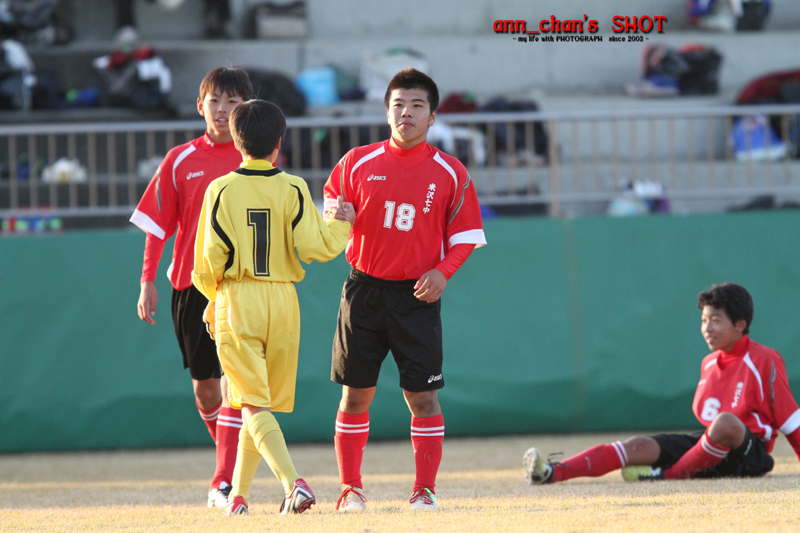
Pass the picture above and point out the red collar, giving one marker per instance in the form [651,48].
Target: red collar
[411,156]
[738,351]
[407,152]
[208,143]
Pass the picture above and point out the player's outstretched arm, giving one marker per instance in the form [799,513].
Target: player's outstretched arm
[342,211]
[317,237]
[148,299]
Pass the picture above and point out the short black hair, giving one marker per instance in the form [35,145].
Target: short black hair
[257,126]
[231,80]
[411,78]
[732,298]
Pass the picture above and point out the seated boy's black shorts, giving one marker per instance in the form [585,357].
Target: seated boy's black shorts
[376,316]
[750,459]
[198,348]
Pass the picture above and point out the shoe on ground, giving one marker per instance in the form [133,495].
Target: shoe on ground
[299,500]
[642,473]
[537,471]
[237,506]
[351,500]
[219,497]
[423,500]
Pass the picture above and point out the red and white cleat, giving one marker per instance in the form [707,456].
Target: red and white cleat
[299,500]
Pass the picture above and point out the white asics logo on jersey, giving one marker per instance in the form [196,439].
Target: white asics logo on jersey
[194,175]
[373,177]
[434,378]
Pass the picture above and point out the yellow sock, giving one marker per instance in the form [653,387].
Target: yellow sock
[247,459]
[268,438]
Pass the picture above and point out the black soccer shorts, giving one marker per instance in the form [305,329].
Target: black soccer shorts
[376,316]
[750,459]
[198,348]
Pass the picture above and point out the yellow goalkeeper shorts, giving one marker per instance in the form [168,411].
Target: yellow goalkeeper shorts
[258,337]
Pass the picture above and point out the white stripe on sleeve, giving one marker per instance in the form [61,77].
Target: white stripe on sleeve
[363,160]
[767,429]
[183,155]
[473,236]
[449,169]
[749,363]
[791,424]
[145,223]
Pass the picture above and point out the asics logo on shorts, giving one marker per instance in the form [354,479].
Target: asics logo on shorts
[434,378]
[191,175]
[373,177]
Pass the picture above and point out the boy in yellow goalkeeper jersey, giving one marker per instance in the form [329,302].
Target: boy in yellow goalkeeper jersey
[251,223]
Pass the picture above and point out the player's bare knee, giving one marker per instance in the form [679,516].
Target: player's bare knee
[642,450]
[636,443]
[356,401]
[207,393]
[223,391]
[423,404]
[727,430]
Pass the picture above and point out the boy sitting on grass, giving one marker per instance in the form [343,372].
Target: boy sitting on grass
[743,399]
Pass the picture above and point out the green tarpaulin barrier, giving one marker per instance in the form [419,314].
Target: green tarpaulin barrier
[556,326]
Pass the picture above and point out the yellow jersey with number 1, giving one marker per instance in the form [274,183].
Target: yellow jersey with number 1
[251,223]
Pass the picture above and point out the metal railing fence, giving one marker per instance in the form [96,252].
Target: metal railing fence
[548,158]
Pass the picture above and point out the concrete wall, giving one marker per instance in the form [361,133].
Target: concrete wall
[456,38]
[345,18]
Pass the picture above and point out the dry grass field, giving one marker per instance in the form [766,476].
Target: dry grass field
[480,488]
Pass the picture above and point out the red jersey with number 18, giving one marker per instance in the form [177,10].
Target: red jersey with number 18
[411,206]
[750,382]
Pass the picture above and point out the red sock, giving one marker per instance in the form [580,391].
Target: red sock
[427,436]
[210,418]
[229,423]
[596,461]
[352,432]
[705,454]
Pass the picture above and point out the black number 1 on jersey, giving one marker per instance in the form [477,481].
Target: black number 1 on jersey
[259,219]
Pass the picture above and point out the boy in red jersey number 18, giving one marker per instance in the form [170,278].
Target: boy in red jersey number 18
[171,204]
[418,220]
[743,400]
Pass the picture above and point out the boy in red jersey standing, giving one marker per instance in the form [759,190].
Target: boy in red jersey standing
[418,220]
[171,203]
[743,399]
